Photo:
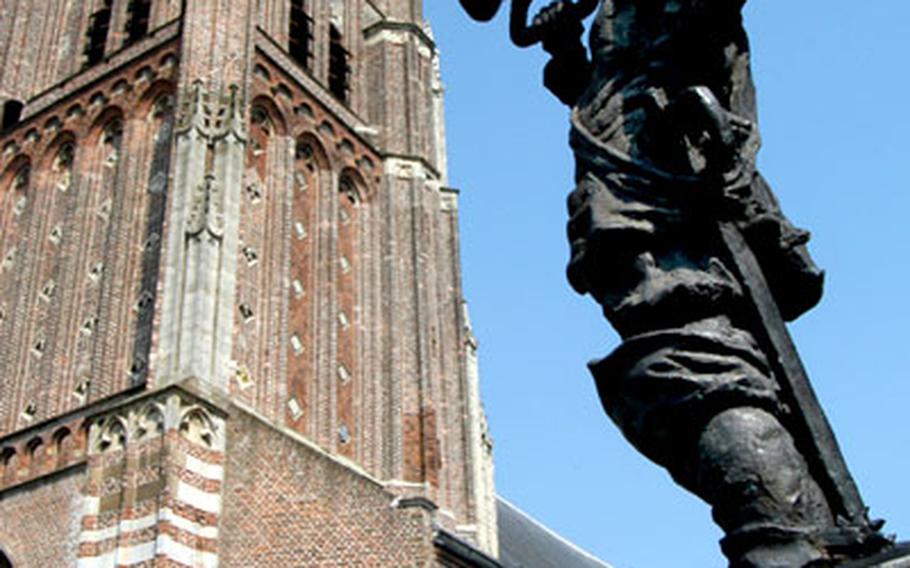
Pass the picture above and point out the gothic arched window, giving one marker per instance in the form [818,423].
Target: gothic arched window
[5,562]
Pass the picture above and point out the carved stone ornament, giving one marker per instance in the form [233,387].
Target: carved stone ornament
[152,417]
[206,210]
[212,120]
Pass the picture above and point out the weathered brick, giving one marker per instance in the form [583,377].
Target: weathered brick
[204,207]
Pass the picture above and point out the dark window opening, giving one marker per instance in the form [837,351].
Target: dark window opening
[300,34]
[137,26]
[5,561]
[97,34]
[339,67]
[12,113]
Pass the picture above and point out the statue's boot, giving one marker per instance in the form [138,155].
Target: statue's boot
[748,468]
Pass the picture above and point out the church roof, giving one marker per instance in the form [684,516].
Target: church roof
[525,543]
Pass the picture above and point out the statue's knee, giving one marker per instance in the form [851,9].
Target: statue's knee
[751,469]
[748,443]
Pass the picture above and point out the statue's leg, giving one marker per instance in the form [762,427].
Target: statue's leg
[748,468]
[702,403]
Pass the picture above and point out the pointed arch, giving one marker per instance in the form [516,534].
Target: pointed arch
[262,103]
[311,148]
[58,162]
[15,197]
[197,426]
[150,421]
[106,143]
[9,464]
[351,182]
[266,122]
[16,176]
[62,444]
[34,450]
[112,435]
[13,168]
[152,95]
[101,123]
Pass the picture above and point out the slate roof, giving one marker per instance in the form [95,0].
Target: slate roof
[526,543]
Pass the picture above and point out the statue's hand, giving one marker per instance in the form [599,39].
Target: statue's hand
[560,27]
[482,10]
[555,22]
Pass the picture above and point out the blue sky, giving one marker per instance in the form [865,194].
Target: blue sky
[832,85]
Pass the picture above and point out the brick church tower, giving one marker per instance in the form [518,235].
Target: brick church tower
[232,329]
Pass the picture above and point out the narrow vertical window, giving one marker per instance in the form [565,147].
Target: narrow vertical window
[300,34]
[99,25]
[137,24]
[339,66]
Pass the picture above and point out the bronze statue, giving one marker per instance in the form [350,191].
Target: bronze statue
[678,237]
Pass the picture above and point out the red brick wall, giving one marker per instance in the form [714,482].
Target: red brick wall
[39,521]
[81,242]
[285,504]
[402,408]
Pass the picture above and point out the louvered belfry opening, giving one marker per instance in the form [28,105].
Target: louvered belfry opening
[300,34]
[11,113]
[96,37]
[137,26]
[339,66]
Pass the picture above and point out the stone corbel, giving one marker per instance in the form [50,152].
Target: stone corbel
[206,210]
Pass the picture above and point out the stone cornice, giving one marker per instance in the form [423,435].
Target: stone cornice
[406,27]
